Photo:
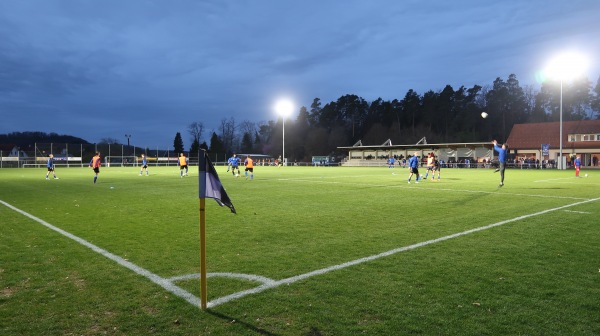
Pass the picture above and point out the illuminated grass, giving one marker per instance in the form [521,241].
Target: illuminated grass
[535,275]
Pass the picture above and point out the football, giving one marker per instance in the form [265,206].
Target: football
[484,115]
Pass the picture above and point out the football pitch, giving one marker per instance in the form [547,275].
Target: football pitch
[311,251]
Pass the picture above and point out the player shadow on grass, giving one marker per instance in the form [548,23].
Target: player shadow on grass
[232,320]
[469,197]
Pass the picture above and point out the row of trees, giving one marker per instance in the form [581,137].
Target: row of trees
[447,115]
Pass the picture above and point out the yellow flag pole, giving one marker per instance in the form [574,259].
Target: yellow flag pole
[203,287]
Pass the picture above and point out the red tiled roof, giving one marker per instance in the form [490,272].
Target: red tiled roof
[532,136]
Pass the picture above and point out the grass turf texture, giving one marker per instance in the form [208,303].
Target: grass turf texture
[539,275]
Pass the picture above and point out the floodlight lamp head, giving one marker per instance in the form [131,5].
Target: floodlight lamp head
[567,66]
[284,107]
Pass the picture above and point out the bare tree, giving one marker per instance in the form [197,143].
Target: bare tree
[228,133]
[248,127]
[196,129]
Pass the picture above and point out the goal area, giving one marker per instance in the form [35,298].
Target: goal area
[121,161]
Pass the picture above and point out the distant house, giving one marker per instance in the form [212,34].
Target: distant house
[578,138]
[8,150]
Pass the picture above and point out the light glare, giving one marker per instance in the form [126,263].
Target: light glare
[284,108]
[567,66]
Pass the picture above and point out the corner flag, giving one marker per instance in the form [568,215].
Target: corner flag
[209,184]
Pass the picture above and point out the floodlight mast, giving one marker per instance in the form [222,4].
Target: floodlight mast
[566,66]
[284,109]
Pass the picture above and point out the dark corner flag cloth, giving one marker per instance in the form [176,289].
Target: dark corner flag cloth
[209,183]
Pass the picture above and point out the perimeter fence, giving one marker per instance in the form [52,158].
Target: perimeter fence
[80,155]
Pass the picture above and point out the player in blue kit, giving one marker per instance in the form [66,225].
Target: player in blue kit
[391,160]
[501,159]
[413,165]
[234,163]
[144,165]
[50,166]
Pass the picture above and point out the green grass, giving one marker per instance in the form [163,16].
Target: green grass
[537,274]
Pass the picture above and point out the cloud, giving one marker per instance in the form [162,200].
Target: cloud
[104,69]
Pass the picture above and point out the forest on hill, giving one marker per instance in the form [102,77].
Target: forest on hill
[447,115]
[26,139]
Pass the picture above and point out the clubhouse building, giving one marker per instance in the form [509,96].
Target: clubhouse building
[534,143]
[542,141]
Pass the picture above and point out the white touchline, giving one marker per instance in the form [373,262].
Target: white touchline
[442,189]
[268,283]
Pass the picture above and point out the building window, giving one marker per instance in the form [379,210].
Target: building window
[591,137]
[583,137]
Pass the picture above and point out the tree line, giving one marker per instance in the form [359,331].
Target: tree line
[26,139]
[447,115]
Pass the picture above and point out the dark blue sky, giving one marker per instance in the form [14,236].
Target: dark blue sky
[106,68]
